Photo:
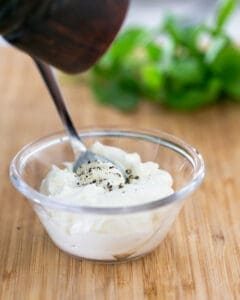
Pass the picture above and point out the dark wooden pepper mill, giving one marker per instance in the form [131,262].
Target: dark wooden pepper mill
[68,34]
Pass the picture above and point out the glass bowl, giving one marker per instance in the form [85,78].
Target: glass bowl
[108,234]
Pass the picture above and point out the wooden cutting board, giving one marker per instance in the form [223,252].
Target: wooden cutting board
[199,259]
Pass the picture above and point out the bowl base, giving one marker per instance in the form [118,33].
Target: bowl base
[108,262]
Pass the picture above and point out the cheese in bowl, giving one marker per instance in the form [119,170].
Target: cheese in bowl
[102,184]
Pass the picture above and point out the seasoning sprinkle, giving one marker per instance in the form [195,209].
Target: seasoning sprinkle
[127,181]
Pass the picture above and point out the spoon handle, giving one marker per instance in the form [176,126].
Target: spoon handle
[57,97]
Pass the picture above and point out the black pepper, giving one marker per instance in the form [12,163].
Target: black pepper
[120,186]
[127,181]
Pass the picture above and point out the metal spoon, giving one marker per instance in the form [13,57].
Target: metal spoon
[83,155]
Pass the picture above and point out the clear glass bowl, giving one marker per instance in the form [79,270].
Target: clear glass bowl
[108,234]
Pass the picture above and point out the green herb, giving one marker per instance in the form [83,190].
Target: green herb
[225,10]
[169,65]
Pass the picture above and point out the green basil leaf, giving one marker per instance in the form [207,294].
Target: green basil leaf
[151,78]
[225,10]
[112,93]
[191,99]
[186,71]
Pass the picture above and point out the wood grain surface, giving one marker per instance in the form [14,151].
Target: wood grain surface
[199,259]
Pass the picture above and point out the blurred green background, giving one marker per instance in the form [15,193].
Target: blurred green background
[176,53]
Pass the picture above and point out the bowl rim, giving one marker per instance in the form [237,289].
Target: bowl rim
[153,136]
